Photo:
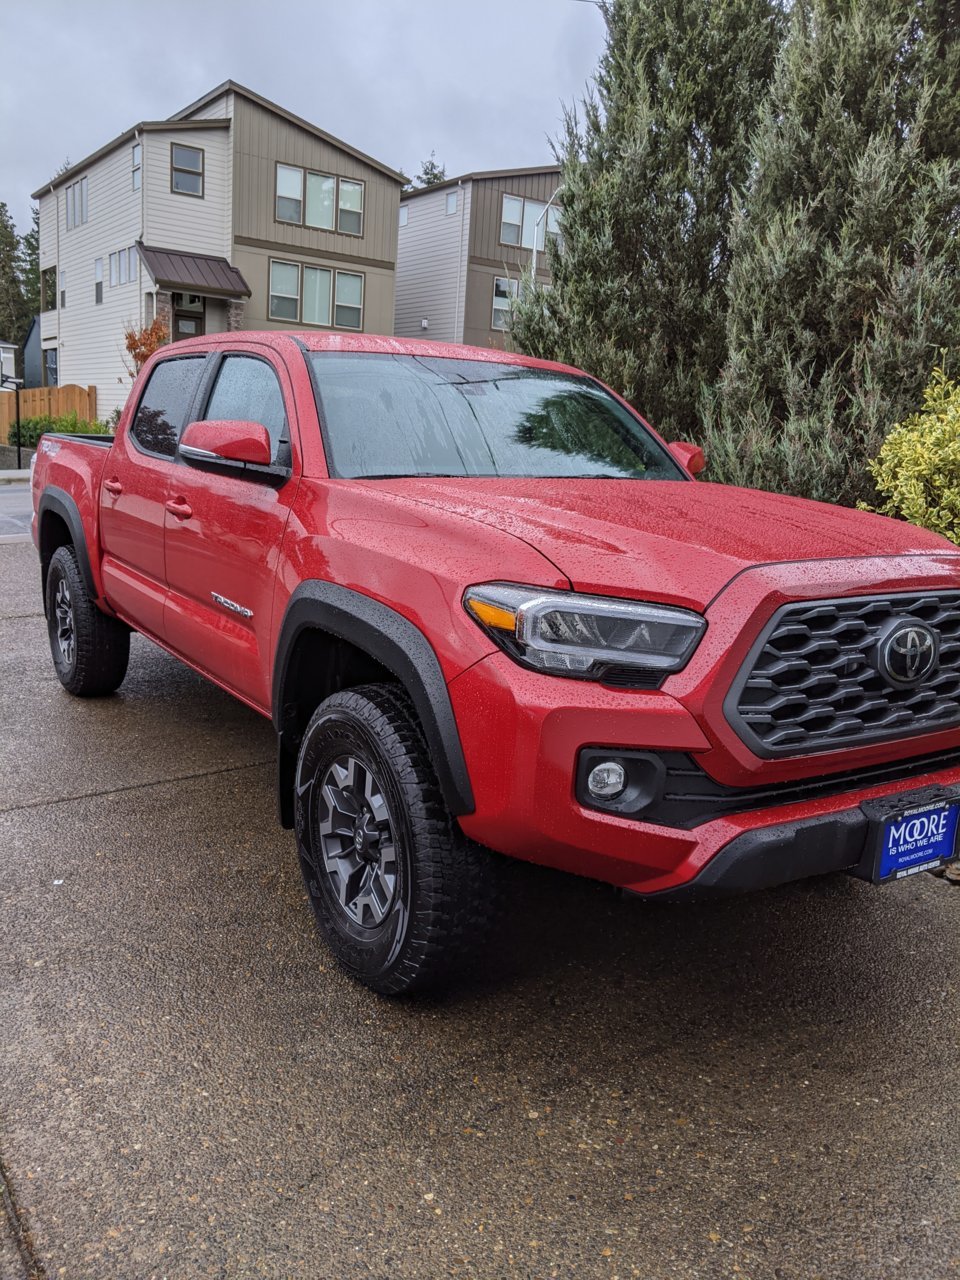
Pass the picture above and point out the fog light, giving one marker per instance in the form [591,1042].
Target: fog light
[606,779]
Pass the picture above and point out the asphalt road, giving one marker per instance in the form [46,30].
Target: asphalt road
[766,1088]
[15,510]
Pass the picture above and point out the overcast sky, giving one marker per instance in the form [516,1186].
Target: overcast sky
[480,82]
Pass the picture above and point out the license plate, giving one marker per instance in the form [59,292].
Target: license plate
[919,838]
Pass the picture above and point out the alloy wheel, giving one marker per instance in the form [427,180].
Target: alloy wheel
[66,631]
[357,842]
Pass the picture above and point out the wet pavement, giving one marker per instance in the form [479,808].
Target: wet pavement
[764,1088]
[15,509]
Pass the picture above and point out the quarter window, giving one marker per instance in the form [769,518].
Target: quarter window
[186,170]
[289,194]
[284,291]
[504,292]
[136,165]
[247,390]
[165,403]
[349,308]
[350,220]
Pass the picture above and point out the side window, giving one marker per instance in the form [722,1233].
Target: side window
[247,390]
[163,408]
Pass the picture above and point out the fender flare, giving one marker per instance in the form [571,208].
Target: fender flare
[394,642]
[58,502]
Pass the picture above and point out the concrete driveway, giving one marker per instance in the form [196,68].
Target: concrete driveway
[765,1088]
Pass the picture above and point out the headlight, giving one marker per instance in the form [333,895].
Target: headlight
[588,637]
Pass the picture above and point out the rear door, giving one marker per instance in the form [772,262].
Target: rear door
[135,489]
[224,530]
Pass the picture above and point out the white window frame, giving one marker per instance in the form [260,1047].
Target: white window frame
[514,244]
[404,214]
[330,273]
[201,173]
[271,294]
[136,165]
[328,177]
[97,281]
[452,201]
[114,270]
[293,168]
[352,182]
[540,228]
[505,304]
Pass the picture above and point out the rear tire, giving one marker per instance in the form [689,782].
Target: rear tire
[401,897]
[90,649]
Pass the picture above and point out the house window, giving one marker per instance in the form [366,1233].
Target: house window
[123,266]
[511,220]
[504,292]
[149,307]
[553,222]
[48,289]
[133,258]
[63,288]
[321,197]
[186,170]
[98,280]
[349,308]
[289,194]
[317,283]
[136,163]
[75,199]
[114,270]
[284,291]
[451,202]
[350,220]
[522,221]
[404,214]
[50,366]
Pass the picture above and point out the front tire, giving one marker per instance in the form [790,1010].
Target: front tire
[90,649]
[401,897]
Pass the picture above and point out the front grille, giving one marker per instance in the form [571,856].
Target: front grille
[809,684]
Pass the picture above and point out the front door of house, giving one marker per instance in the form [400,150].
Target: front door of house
[188,315]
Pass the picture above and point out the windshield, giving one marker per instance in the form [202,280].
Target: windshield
[398,415]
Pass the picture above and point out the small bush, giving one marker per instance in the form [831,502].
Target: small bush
[918,467]
[31,429]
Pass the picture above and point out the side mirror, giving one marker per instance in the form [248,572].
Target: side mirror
[690,456]
[217,441]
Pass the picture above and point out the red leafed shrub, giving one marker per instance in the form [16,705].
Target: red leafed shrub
[142,343]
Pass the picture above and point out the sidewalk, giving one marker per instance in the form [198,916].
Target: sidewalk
[14,477]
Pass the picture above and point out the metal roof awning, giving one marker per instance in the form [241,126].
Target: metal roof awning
[193,272]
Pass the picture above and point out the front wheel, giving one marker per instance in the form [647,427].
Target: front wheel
[90,649]
[401,897]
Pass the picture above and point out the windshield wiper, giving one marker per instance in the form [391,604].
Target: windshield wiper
[412,475]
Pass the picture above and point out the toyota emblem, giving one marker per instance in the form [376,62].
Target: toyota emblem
[907,653]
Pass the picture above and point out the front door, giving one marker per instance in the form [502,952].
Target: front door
[189,315]
[223,535]
[134,491]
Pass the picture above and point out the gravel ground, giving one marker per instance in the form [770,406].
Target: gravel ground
[764,1088]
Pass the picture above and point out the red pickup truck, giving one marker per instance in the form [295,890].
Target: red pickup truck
[487,608]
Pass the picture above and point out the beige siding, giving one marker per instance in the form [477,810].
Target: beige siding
[431,267]
[90,336]
[485,223]
[263,139]
[254,263]
[478,330]
[188,223]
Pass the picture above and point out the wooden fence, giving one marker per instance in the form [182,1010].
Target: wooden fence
[45,402]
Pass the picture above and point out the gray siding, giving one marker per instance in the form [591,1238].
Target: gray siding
[431,267]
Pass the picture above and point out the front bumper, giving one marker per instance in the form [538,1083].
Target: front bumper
[522,733]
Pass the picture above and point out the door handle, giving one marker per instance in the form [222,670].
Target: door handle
[180,508]
[114,487]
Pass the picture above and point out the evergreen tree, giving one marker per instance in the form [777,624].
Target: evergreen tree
[648,176]
[845,275]
[30,266]
[430,172]
[13,309]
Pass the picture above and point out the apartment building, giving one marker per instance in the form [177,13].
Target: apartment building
[462,249]
[231,214]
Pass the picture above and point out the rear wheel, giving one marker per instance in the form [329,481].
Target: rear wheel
[90,650]
[400,895]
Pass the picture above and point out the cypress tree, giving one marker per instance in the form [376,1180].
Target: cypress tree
[649,168]
[845,275]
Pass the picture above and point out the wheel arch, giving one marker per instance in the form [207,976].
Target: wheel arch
[332,637]
[59,525]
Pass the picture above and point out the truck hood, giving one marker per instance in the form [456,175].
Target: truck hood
[679,542]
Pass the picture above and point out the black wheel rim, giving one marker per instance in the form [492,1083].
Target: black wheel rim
[63,618]
[356,841]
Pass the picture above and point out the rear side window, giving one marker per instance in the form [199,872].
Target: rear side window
[248,390]
[163,408]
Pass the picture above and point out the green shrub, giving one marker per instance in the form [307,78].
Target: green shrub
[31,429]
[918,467]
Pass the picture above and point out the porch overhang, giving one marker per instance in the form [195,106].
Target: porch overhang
[193,273]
